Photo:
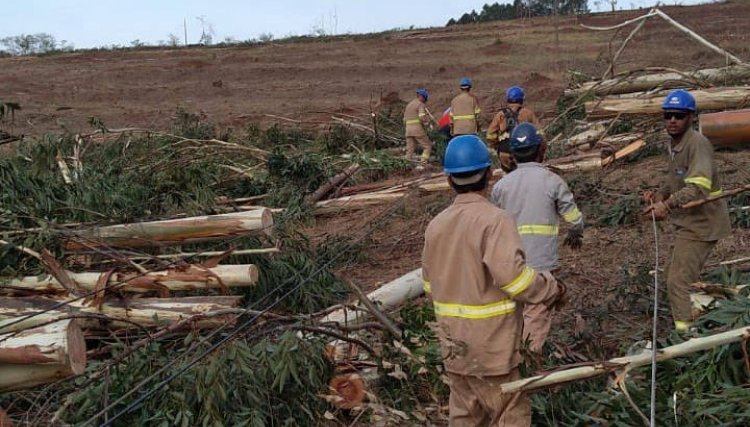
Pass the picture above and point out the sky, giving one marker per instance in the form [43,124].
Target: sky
[86,23]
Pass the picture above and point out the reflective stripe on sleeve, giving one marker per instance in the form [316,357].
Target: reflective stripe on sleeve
[715,193]
[520,283]
[427,287]
[700,181]
[466,311]
[491,135]
[422,114]
[682,326]
[477,110]
[464,117]
[538,229]
[572,215]
[413,122]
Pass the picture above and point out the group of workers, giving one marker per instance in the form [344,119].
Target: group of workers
[488,264]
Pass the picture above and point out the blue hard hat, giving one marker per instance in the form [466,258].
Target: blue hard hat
[466,153]
[465,82]
[514,94]
[679,100]
[524,136]
[422,93]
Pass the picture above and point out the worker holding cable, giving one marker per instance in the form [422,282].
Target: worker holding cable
[474,268]
[692,175]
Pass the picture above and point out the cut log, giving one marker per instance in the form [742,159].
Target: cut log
[667,80]
[41,355]
[331,184]
[176,279]
[388,296]
[627,362]
[587,137]
[114,314]
[357,201]
[594,161]
[707,99]
[727,128]
[173,232]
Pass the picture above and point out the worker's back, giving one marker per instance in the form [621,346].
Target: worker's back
[414,116]
[464,113]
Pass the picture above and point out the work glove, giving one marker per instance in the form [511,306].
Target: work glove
[574,239]
[660,210]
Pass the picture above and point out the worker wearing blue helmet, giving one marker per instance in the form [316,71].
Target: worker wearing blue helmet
[536,198]
[692,175]
[416,118]
[464,114]
[474,269]
[502,125]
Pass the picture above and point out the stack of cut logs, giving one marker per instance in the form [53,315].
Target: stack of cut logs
[44,320]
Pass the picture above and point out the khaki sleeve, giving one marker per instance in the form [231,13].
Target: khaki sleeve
[493,131]
[423,117]
[698,177]
[506,262]
[566,205]
[425,275]
[534,120]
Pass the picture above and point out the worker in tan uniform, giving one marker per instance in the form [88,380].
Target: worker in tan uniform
[464,114]
[537,198]
[502,125]
[692,175]
[416,117]
[474,268]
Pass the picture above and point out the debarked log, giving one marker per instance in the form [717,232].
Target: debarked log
[172,232]
[41,355]
[175,279]
[17,314]
[706,99]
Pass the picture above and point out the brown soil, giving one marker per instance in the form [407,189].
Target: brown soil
[235,86]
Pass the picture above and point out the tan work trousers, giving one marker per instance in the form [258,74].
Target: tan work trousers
[477,402]
[423,141]
[537,322]
[688,257]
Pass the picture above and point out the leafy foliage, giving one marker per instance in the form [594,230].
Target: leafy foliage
[520,8]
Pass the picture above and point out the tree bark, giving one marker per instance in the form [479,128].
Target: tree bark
[666,80]
[332,183]
[173,232]
[41,355]
[114,314]
[707,99]
[627,362]
[175,279]
[726,128]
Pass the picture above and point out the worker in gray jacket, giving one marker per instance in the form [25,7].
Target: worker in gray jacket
[536,198]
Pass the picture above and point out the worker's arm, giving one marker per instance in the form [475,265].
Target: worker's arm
[698,177]
[566,205]
[477,112]
[493,131]
[424,118]
[506,262]
[425,276]
[497,193]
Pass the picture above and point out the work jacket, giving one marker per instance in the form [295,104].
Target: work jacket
[475,270]
[692,175]
[536,198]
[498,129]
[464,114]
[415,118]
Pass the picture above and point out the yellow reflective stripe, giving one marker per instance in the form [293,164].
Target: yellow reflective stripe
[465,117]
[422,114]
[572,215]
[715,193]
[427,287]
[477,110]
[466,311]
[700,181]
[520,283]
[491,135]
[681,325]
[413,122]
[544,230]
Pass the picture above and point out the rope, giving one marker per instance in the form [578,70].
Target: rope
[655,320]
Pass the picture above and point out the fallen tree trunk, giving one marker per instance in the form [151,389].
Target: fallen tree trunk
[41,355]
[707,99]
[624,363]
[726,128]
[390,295]
[593,161]
[17,314]
[665,80]
[331,184]
[173,232]
[174,279]
[723,195]
[357,201]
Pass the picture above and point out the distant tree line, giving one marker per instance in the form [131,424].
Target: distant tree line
[33,44]
[520,8]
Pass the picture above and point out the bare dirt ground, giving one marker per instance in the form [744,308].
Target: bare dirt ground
[235,86]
